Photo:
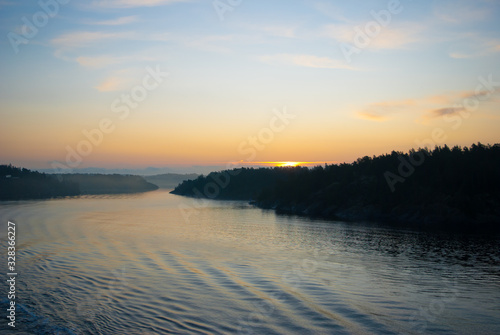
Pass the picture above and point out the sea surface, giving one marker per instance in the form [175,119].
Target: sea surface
[156,263]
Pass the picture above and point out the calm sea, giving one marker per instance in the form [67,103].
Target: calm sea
[156,263]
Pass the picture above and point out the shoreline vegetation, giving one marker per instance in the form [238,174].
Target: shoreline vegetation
[23,184]
[456,188]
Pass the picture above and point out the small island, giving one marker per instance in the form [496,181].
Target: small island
[445,187]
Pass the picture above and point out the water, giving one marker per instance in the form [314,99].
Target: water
[155,263]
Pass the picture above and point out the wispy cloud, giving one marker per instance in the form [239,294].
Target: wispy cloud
[427,108]
[119,80]
[371,116]
[114,22]
[84,38]
[457,102]
[443,111]
[306,61]
[391,37]
[133,3]
[458,96]
[461,11]
[67,44]
[382,111]
[474,46]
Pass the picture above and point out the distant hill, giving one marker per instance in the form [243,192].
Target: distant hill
[109,184]
[458,187]
[169,180]
[149,171]
[20,184]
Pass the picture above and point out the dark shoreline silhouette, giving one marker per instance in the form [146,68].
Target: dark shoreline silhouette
[24,184]
[457,188]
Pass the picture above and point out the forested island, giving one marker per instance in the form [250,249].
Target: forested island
[21,184]
[457,187]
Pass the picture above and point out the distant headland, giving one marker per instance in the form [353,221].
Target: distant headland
[23,184]
[455,187]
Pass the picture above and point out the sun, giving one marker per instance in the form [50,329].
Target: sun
[288,164]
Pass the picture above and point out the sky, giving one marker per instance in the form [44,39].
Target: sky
[132,84]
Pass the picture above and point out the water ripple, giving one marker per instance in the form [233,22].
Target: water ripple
[130,264]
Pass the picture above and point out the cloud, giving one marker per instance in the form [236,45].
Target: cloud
[390,37]
[115,22]
[382,111]
[429,108]
[481,95]
[398,38]
[443,111]
[371,117]
[99,52]
[474,46]
[306,61]
[459,96]
[133,3]
[119,81]
[111,84]
[84,38]
[469,25]
[67,45]
[459,12]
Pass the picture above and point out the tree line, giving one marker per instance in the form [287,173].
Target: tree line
[19,184]
[445,186]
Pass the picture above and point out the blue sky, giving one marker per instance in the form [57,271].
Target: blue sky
[229,69]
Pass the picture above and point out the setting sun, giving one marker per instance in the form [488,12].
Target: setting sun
[288,164]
